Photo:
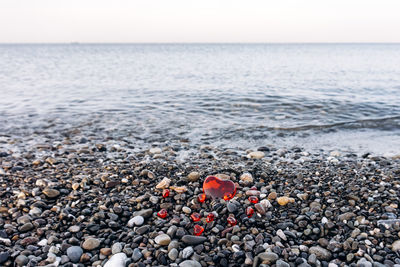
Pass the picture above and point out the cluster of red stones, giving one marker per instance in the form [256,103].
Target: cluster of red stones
[215,188]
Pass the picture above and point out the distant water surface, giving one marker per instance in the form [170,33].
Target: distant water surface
[331,96]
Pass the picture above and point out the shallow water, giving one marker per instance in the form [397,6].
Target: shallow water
[330,96]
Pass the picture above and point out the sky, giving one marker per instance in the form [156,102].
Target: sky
[160,21]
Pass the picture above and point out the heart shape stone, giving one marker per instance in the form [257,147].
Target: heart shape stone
[218,188]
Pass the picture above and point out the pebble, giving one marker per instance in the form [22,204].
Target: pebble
[117,260]
[74,253]
[116,248]
[268,257]
[74,229]
[321,253]
[246,178]
[190,263]
[173,254]
[232,208]
[186,210]
[256,155]
[193,176]
[26,227]
[137,220]
[193,240]
[146,213]
[281,263]
[91,243]
[21,260]
[136,255]
[51,193]
[396,245]
[281,234]
[163,240]
[165,182]
[187,252]
[4,256]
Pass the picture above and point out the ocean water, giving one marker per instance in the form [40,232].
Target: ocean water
[342,97]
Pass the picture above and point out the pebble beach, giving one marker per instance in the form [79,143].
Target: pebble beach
[81,202]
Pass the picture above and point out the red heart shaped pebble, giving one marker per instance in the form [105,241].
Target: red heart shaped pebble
[218,188]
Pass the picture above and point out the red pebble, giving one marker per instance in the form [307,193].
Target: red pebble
[162,213]
[249,212]
[210,217]
[232,221]
[253,199]
[253,188]
[218,188]
[195,217]
[165,193]
[201,198]
[198,230]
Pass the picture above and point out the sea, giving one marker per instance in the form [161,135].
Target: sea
[333,97]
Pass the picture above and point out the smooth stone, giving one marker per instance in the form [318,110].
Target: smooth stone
[193,240]
[143,229]
[256,155]
[74,253]
[396,245]
[193,176]
[231,207]
[91,243]
[116,248]
[74,229]
[26,227]
[24,219]
[21,260]
[246,178]
[4,256]
[268,257]
[155,150]
[321,253]
[136,255]
[186,210]
[190,263]
[187,252]
[173,254]
[51,193]
[146,213]
[281,263]
[163,240]
[117,260]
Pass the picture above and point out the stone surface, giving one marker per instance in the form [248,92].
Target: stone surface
[268,257]
[51,193]
[91,243]
[193,240]
[321,253]
[190,263]
[117,260]
[74,253]
[193,176]
[163,240]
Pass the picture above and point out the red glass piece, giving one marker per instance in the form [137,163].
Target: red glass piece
[249,212]
[210,217]
[198,230]
[201,198]
[162,213]
[218,188]
[232,221]
[253,199]
[165,193]
[195,217]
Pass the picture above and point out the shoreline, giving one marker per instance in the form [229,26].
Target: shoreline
[62,206]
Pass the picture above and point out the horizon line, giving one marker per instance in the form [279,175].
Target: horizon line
[178,43]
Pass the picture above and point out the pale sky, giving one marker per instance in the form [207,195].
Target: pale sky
[122,21]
